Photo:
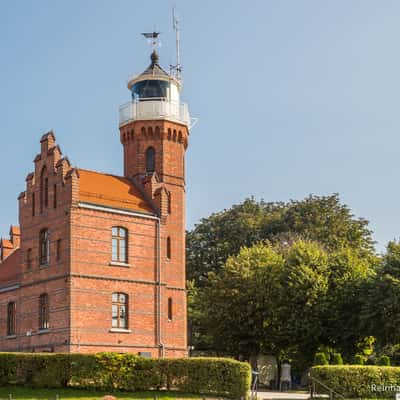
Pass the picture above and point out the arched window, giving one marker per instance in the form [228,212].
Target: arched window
[44,247]
[11,318]
[168,247]
[170,310]
[44,311]
[44,189]
[120,310]
[150,160]
[119,244]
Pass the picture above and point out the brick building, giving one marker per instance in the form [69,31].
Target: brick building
[97,262]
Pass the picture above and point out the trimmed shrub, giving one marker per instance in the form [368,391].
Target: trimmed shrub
[358,359]
[384,360]
[337,359]
[113,371]
[320,359]
[354,381]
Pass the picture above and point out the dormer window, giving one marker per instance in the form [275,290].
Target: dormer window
[150,160]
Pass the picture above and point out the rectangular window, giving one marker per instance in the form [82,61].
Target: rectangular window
[46,192]
[169,203]
[11,318]
[33,204]
[119,310]
[29,258]
[170,308]
[44,311]
[119,252]
[168,248]
[55,196]
[44,247]
[58,250]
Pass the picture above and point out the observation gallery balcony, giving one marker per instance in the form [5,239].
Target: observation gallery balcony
[154,108]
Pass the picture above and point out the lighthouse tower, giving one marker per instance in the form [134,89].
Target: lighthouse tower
[154,130]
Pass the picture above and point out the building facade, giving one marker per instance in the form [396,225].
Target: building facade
[97,262]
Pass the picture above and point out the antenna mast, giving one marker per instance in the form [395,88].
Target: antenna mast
[175,23]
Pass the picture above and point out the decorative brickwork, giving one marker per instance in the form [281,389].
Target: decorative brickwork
[97,262]
[74,269]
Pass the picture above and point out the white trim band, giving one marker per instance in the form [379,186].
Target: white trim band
[120,330]
[8,288]
[95,207]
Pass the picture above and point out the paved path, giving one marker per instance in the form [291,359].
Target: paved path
[283,395]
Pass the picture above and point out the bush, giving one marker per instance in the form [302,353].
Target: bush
[384,360]
[337,359]
[358,359]
[354,381]
[112,371]
[320,359]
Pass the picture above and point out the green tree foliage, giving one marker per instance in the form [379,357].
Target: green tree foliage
[381,310]
[266,298]
[280,278]
[232,308]
[323,219]
[284,300]
[349,275]
[304,284]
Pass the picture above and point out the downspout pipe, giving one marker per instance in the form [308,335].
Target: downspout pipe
[159,294]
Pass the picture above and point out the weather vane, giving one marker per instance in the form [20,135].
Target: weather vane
[152,38]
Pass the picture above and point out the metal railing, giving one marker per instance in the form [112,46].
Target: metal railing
[154,108]
[314,393]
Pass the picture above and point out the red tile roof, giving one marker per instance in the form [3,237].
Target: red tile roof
[112,191]
[10,269]
[15,230]
[6,244]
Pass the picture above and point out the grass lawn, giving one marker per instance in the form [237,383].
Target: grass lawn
[19,393]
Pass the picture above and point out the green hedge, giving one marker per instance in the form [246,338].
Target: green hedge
[356,381]
[112,371]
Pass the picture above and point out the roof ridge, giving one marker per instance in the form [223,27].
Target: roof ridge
[101,173]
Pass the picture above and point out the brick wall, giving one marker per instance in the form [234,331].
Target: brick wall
[80,277]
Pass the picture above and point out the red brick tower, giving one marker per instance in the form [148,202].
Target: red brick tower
[154,131]
[98,263]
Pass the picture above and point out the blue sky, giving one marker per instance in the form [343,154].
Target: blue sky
[293,96]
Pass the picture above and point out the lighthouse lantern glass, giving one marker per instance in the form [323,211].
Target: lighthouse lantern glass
[150,89]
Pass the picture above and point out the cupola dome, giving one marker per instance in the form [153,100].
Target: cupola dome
[154,83]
